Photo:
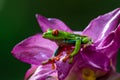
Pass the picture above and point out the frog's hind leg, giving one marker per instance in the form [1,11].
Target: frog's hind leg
[58,53]
[77,47]
[49,61]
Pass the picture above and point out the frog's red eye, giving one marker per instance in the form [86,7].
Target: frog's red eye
[55,32]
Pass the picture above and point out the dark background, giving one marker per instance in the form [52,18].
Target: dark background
[17,22]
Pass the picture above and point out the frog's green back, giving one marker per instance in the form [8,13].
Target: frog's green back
[58,35]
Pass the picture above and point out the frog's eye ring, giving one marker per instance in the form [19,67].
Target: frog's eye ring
[55,32]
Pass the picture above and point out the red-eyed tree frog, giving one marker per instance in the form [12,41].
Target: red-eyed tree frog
[65,41]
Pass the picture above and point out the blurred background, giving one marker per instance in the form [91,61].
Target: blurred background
[17,22]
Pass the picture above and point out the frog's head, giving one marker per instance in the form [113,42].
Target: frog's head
[55,34]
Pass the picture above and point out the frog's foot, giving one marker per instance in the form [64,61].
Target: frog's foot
[66,58]
[57,58]
[70,60]
[49,61]
[85,45]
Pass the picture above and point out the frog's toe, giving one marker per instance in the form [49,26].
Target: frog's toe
[70,56]
[71,60]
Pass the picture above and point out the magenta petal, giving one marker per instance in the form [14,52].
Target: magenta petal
[78,32]
[34,49]
[30,72]
[63,69]
[111,44]
[88,57]
[44,73]
[117,35]
[102,25]
[96,58]
[52,23]
[111,76]
[114,76]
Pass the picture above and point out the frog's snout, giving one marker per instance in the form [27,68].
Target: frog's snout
[43,35]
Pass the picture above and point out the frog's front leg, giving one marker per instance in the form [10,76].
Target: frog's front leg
[76,49]
[77,43]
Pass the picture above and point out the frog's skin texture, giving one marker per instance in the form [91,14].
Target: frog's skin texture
[65,41]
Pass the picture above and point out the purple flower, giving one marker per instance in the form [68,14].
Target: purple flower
[95,62]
